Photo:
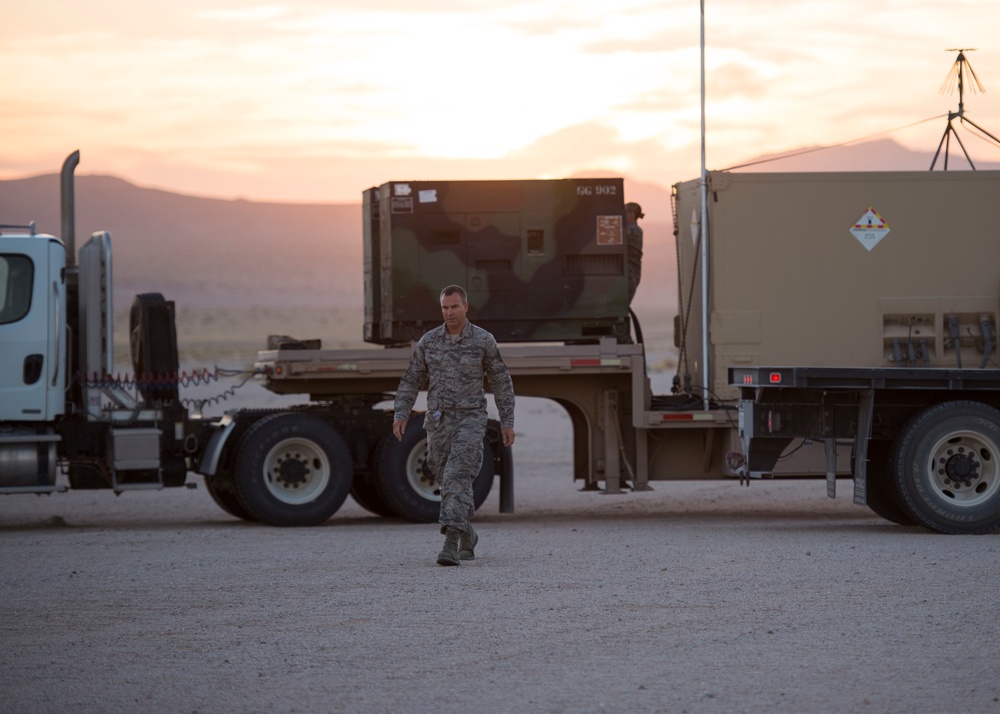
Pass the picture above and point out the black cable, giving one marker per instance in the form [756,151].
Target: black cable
[834,146]
[155,382]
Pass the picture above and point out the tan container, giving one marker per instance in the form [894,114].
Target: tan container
[840,269]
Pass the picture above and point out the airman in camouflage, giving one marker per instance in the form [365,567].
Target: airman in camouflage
[451,361]
[633,241]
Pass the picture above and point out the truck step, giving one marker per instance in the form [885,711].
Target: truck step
[150,486]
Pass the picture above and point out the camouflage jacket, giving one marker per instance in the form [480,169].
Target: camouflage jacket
[452,371]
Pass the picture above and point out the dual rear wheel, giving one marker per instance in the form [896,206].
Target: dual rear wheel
[946,466]
[942,471]
[405,486]
[290,470]
[295,469]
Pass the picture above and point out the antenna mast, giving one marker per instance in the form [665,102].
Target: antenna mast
[956,77]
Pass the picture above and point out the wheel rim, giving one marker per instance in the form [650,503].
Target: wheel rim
[965,468]
[296,471]
[419,476]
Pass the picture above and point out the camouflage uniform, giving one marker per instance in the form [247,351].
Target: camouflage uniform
[452,370]
[633,241]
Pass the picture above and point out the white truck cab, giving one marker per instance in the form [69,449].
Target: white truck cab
[32,326]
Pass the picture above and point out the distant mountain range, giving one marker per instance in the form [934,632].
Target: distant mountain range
[878,155]
[207,251]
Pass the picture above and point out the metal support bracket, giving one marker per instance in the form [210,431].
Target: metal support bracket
[612,461]
[830,445]
[866,409]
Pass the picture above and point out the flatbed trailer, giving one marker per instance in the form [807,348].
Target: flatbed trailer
[801,269]
[619,426]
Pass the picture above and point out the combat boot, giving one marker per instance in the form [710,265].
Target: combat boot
[449,554]
[467,544]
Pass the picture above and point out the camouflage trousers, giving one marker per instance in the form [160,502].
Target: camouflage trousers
[454,457]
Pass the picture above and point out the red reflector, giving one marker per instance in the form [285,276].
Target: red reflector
[678,417]
[585,363]
[775,377]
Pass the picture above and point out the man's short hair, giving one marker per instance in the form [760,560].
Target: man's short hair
[455,290]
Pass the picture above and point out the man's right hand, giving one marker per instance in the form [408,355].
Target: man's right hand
[398,428]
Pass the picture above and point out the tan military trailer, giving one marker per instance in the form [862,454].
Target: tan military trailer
[887,277]
[861,309]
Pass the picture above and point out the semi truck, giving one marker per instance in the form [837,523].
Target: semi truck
[871,272]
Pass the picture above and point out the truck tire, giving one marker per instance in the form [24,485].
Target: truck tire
[366,494]
[946,464]
[222,485]
[222,489]
[364,487]
[883,496]
[408,488]
[292,470]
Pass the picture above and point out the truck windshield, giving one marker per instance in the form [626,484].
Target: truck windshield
[16,278]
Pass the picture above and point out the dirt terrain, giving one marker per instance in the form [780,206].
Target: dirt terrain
[696,597]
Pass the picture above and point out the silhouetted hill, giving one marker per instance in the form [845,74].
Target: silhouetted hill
[878,155]
[205,251]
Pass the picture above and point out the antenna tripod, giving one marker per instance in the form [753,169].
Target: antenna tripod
[957,76]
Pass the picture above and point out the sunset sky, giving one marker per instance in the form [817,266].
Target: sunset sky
[316,100]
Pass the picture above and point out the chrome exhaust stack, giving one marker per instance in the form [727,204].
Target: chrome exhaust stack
[68,199]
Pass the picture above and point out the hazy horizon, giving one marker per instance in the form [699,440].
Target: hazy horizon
[883,154]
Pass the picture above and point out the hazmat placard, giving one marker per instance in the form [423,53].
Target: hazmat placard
[870,229]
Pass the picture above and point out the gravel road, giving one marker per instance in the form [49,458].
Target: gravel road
[696,597]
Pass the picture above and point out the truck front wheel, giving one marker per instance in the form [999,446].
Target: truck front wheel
[947,467]
[292,470]
[407,485]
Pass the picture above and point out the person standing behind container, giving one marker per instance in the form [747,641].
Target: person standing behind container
[451,361]
[633,243]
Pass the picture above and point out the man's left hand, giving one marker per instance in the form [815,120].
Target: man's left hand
[508,435]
